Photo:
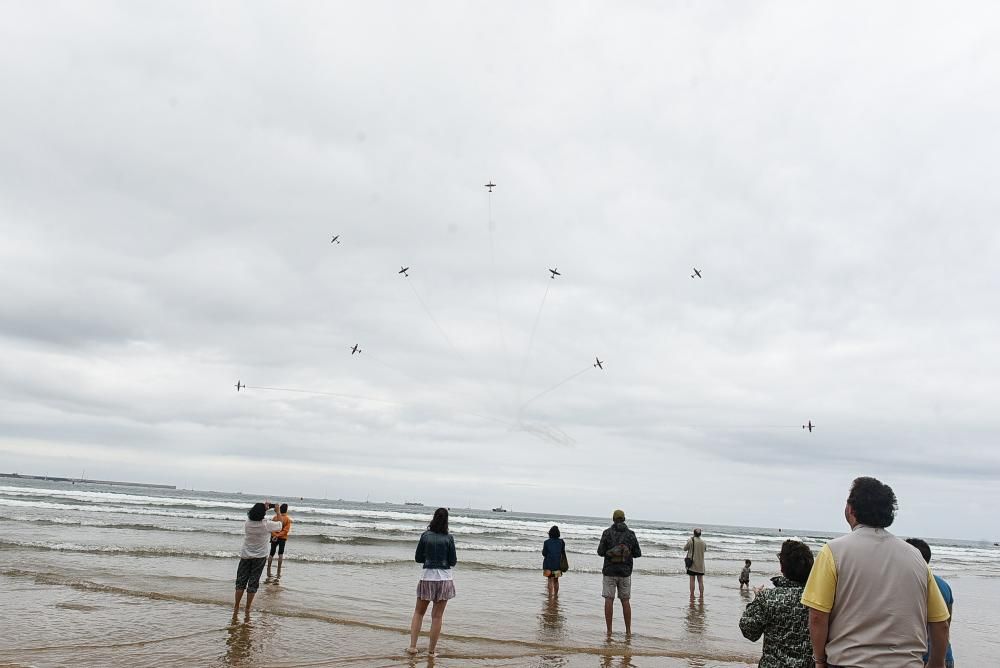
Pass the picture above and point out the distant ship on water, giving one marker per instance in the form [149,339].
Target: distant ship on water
[499,509]
[412,503]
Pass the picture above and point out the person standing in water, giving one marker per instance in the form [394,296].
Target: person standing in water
[745,574]
[278,538]
[695,563]
[253,554]
[552,556]
[619,547]
[436,551]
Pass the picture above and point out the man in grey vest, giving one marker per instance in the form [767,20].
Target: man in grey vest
[871,597]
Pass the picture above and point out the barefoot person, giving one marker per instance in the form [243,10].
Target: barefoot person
[619,547]
[695,562]
[436,551]
[257,533]
[745,574]
[278,538]
[552,559]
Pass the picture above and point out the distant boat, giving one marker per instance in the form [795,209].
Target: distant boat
[412,503]
[499,509]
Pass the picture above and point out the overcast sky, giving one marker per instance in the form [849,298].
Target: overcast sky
[172,175]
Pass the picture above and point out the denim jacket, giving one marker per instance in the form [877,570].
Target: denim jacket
[436,550]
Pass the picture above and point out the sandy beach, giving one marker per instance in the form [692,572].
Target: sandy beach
[126,577]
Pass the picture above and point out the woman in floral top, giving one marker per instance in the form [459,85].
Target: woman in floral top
[779,616]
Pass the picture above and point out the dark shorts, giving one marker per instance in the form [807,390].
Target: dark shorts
[248,573]
[277,544]
[690,572]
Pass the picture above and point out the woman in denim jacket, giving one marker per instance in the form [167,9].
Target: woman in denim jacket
[436,551]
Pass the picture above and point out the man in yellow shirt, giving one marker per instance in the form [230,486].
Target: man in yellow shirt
[872,597]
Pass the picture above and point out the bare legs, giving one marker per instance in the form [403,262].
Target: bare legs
[437,617]
[553,586]
[416,623]
[238,598]
[609,613]
[280,558]
[701,585]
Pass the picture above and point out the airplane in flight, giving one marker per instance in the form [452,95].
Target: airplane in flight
[403,270]
[490,185]
[239,385]
[335,239]
[355,349]
[554,272]
[598,363]
[696,273]
[809,425]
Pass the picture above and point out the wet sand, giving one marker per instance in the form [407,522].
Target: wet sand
[147,581]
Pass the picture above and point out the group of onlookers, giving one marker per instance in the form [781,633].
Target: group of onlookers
[866,600]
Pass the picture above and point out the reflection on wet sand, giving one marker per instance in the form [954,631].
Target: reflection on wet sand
[694,621]
[245,642]
[616,660]
[239,644]
[551,620]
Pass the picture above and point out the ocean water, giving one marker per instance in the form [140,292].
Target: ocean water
[125,576]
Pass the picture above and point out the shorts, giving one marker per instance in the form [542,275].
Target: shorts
[248,573]
[622,584]
[693,573]
[744,581]
[277,544]
[551,574]
[436,590]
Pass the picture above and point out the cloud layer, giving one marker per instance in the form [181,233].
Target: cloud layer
[172,178]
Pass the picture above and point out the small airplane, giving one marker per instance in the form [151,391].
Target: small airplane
[335,239]
[696,273]
[239,385]
[554,272]
[490,185]
[598,363]
[809,425]
[355,349]
[403,270]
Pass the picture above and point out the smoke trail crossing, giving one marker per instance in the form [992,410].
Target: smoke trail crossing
[556,386]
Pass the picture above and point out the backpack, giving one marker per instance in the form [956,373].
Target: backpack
[621,552]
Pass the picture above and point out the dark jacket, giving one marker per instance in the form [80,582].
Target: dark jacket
[436,550]
[614,535]
[779,615]
[552,551]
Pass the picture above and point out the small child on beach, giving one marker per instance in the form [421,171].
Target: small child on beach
[745,575]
